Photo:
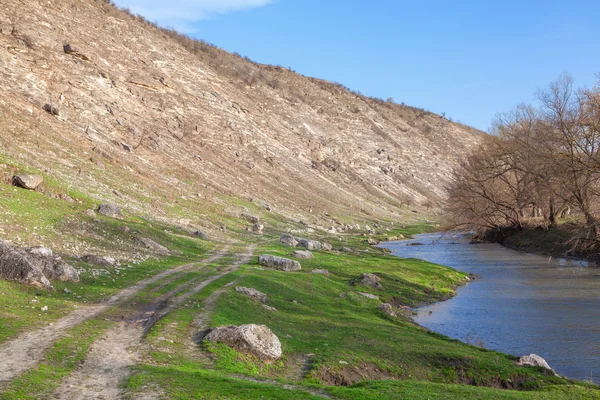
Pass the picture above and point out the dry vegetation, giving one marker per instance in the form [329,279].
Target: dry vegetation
[542,164]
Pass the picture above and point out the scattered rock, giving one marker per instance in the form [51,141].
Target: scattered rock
[258,340]
[270,308]
[288,240]
[27,181]
[15,266]
[258,228]
[388,309]
[56,269]
[90,213]
[201,235]
[44,308]
[372,241]
[124,229]
[303,254]
[321,271]
[100,261]
[255,294]
[151,244]
[346,249]
[280,263]
[110,210]
[371,280]
[71,51]
[310,244]
[326,246]
[50,109]
[250,218]
[369,295]
[535,361]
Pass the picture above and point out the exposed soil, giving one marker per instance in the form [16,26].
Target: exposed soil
[109,361]
[24,352]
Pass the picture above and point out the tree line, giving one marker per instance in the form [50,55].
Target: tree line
[541,162]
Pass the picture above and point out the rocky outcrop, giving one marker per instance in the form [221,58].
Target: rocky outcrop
[371,280]
[257,340]
[28,181]
[55,269]
[16,266]
[251,292]
[110,210]
[152,245]
[280,263]
[534,360]
[288,240]
[388,309]
[303,254]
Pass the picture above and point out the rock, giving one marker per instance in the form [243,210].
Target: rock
[124,229]
[346,249]
[288,240]
[250,218]
[258,340]
[326,246]
[50,109]
[258,228]
[255,294]
[44,308]
[56,269]
[201,235]
[321,271]
[332,230]
[100,261]
[151,244]
[90,213]
[27,181]
[270,308]
[371,280]
[15,266]
[110,210]
[303,254]
[369,295]
[280,263]
[40,251]
[388,309]
[372,241]
[309,244]
[534,360]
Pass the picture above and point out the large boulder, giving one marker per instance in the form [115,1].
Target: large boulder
[110,210]
[303,254]
[309,244]
[16,266]
[534,360]
[56,269]
[280,263]
[371,280]
[151,244]
[288,240]
[257,340]
[251,292]
[28,181]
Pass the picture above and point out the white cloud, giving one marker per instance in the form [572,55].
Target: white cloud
[181,14]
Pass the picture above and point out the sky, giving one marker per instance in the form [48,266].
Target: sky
[468,59]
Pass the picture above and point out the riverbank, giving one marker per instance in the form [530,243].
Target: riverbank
[563,240]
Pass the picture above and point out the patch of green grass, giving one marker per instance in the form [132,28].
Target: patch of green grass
[60,360]
[190,382]
[407,390]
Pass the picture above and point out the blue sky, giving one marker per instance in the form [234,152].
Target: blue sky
[469,59]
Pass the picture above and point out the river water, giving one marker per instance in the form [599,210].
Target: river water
[520,304]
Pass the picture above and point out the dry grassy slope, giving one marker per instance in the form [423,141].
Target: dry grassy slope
[305,145]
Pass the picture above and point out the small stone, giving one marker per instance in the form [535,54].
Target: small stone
[258,228]
[110,210]
[321,272]
[251,292]
[45,308]
[369,296]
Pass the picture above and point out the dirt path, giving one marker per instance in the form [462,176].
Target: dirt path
[111,357]
[24,352]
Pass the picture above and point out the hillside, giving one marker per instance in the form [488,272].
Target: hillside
[173,129]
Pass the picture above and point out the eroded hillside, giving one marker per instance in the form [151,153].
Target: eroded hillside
[146,123]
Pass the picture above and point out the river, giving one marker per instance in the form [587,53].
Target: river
[520,303]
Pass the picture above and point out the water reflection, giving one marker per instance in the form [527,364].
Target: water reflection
[521,303]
